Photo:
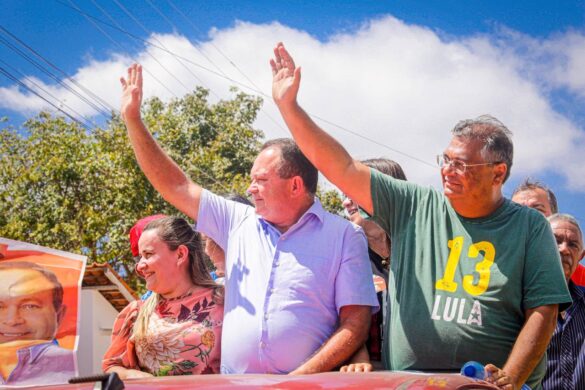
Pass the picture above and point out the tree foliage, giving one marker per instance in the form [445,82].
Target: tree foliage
[331,201]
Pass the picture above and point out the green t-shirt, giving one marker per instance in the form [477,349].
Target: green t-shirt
[459,287]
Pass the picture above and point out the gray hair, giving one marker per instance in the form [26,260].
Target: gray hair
[530,185]
[495,136]
[566,218]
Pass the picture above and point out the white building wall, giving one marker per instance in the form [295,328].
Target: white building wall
[95,330]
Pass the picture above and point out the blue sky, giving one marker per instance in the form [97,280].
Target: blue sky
[399,72]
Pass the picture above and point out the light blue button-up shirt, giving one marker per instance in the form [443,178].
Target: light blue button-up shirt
[284,291]
[42,364]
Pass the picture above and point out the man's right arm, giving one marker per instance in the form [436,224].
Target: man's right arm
[328,156]
[162,172]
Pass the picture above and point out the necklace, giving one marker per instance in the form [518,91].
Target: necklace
[188,294]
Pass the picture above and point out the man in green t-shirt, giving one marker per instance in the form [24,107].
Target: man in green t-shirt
[473,276]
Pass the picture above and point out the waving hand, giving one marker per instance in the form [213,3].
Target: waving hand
[131,93]
[286,78]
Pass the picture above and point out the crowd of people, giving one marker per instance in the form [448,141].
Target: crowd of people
[417,279]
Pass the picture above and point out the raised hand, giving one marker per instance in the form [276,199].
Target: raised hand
[286,78]
[131,93]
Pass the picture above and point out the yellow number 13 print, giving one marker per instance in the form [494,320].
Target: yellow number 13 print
[447,282]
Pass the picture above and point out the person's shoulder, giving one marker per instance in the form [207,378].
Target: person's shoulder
[56,351]
[342,228]
[530,215]
[334,219]
[131,309]
[227,212]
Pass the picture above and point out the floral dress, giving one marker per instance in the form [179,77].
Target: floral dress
[183,337]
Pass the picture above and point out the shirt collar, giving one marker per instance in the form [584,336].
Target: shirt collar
[316,209]
[36,350]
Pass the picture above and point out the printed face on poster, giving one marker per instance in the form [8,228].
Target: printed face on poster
[39,299]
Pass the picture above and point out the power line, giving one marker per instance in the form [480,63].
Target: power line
[160,43]
[62,102]
[221,75]
[214,46]
[270,117]
[188,89]
[42,58]
[200,50]
[16,80]
[374,141]
[209,177]
[163,49]
[257,91]
[120,45]
[51,75]
[147,42]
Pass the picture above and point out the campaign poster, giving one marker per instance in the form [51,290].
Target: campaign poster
[39,314]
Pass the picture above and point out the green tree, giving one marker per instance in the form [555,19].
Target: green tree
[79,190]
[331,201]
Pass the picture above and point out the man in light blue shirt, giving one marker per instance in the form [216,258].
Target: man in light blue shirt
[299,291]
[31,310]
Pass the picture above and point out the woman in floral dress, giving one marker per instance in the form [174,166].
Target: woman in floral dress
[177,330]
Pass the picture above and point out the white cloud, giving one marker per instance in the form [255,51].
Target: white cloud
[402,85]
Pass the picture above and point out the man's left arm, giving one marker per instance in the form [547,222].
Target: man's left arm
[528,349]
[354,324]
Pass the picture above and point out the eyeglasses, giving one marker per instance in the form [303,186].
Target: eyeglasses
[458,165]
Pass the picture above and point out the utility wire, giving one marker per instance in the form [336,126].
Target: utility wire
[16,80]
[51,75]
[375,142]
[188,89]
[196,29]
[84,125]
[165,50]
[214,46]
[270,117]
[160,43]
[149,43]
[119,45]
[203,173]
[259,92]
[118,25]
[103,103]
[62,102]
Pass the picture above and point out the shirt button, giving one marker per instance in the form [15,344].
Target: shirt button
[262,344]
[266,316]
[272,290]
[276,263]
